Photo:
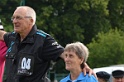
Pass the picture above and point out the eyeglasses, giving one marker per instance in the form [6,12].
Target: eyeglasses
[19,17]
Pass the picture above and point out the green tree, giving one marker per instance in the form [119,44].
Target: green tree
[73,20]
[116,13]
[107,49]
[66,20]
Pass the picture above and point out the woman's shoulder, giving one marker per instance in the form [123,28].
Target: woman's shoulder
[65,79]
[87,78]
[91,78]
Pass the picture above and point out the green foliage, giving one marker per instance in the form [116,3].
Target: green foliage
[65,18]
[107,49]
[116,11]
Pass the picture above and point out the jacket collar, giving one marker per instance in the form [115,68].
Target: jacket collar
[29,38]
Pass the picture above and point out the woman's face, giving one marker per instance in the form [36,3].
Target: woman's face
[72,61]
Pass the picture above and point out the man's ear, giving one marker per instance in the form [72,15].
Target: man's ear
[32,20]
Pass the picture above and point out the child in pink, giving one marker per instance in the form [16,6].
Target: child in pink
[3,49]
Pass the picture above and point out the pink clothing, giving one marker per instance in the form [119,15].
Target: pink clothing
[3,49]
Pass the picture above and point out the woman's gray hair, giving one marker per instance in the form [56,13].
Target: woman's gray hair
[79,48]
[30,12]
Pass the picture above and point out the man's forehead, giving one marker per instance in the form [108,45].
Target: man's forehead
[19,11]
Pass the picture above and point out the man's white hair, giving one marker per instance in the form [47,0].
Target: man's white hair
[30,12]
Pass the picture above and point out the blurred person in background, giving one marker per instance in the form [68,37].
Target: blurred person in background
[3,49]
[103,76]
[118,75]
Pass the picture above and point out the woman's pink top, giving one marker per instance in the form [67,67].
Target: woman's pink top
[3,49]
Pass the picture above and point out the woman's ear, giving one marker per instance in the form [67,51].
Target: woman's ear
[82,60]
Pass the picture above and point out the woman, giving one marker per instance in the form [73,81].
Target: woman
[75,55]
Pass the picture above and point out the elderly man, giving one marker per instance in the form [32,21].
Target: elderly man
[118,76]
[30,50]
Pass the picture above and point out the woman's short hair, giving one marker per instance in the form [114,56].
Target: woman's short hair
[79,48]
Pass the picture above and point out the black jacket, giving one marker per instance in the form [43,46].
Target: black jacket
[29,60]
